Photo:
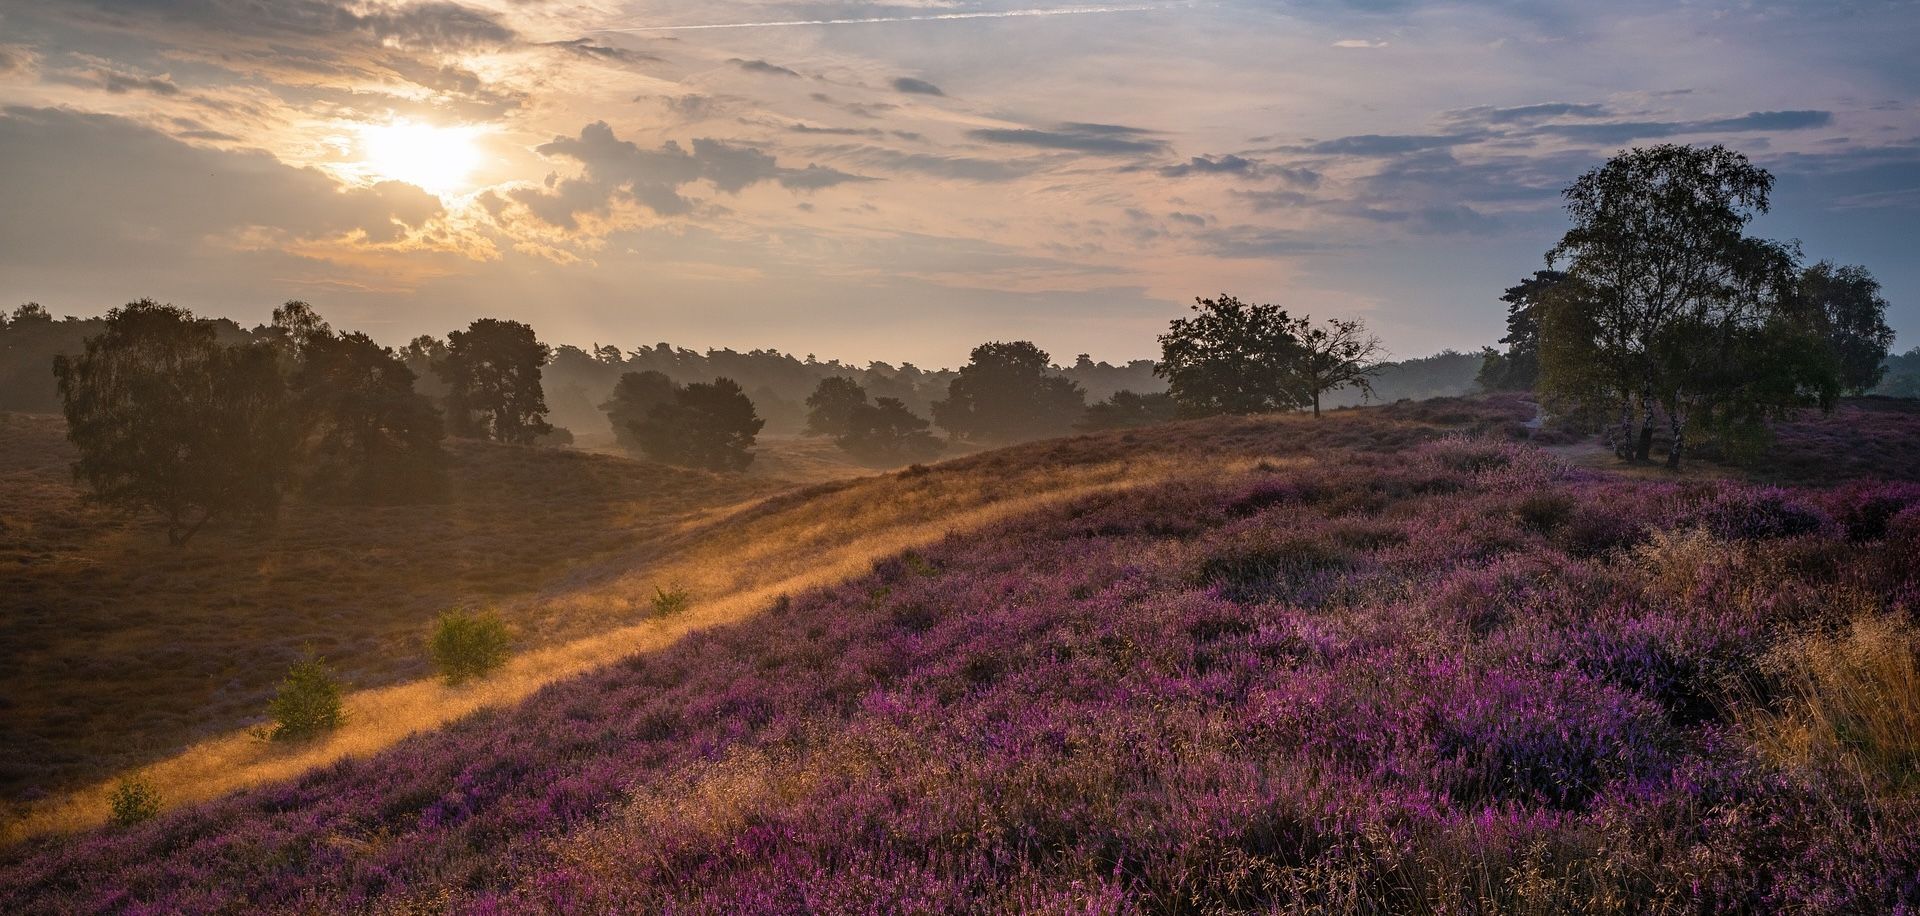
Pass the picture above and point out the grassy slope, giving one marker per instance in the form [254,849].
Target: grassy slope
[894,738]
[115,648]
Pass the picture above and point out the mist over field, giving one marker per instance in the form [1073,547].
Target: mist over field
[469,456]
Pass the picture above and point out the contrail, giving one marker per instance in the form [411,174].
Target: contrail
[930,17]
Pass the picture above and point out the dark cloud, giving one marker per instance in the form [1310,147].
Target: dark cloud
[800,128]
[1387,144]
[1521,114]
[1100,139]
[11,61]
[1263,201]
[616,169]
[1208,165]
[1625,131]
[913,86]
[105,191]
[585,47]
[434,25]
[116,82]
[761,67]
[962,168]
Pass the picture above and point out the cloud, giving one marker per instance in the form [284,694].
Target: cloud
[913,86]
[1387,144]
[1359,43]
[1208,165]
[1624,131]
[1258,242]
[1487,114]
[117,83]
[761,67]
[962,168]
[1099,139]
[616,170]
[105,191]
[584,47]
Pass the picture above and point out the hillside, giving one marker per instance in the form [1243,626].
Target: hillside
[1347,666]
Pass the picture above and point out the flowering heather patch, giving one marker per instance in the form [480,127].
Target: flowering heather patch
[1450,678]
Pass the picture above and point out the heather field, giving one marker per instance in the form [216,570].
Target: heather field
[1393,661]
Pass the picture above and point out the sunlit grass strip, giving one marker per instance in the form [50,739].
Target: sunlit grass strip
[732,575]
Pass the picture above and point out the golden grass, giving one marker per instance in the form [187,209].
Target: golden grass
[735,563]
[1847,703]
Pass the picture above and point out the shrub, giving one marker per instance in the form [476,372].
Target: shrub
[307,704]
[1755,515]
[467,645]
[1851,700]
[670,601]
[133,800]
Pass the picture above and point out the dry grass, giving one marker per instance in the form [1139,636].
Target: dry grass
[121,650]
[1847,703]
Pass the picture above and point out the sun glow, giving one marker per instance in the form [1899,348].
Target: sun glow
[438,159]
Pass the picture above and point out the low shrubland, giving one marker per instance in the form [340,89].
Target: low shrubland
[1442,677]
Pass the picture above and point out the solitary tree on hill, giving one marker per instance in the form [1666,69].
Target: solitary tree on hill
[492,371]
[706,425]
[1005,393]
[1231,357]
[887,431]
[168,420]
[635,396]
[832,403]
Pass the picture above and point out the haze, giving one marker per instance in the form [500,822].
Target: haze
[902,181]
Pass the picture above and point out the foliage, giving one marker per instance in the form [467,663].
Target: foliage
[1668,307]
[1337,354]
[887,431]
[1847,303]
[1126,409]
[492,373]
[467,645]
[1006,393]
[669,602]
[831,406]
[168,420]
[706,425]
[307,703]
[133,800]
[1518,369]
[634,397]
[1231,357]
[370,436]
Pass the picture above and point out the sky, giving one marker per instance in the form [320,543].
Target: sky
[902,181]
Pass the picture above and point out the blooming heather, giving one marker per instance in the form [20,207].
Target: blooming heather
[1456,678]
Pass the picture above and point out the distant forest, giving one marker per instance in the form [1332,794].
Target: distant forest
[578,380]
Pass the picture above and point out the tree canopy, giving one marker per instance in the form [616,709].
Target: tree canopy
[492,372]
[1006,393]
[167,419]
[708,425]
[634,397]
[832,405]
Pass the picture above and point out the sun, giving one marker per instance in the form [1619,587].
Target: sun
[438,159]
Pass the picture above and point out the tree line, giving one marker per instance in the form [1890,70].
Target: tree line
[1656,316]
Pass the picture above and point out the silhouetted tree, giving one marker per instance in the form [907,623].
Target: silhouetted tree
[1335,355]
[370,436]
[634,397]
[295,327]
[1006,394]
[887,431]
[1518,369]
[706,425]
[1670,294]
[832,404]
[423,356]
[166,419]
[1232,357]
[1126,409]
[1847,302]
[492,371]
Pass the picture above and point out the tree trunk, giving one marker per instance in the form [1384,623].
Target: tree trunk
[1643,450]
[1316,405]
[1679,426]
[1623,436]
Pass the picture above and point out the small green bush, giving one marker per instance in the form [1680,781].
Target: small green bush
[308,702]
[467,645]
[668,602]
[133,800]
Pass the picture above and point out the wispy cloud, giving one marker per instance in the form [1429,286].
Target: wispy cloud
[868,20]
